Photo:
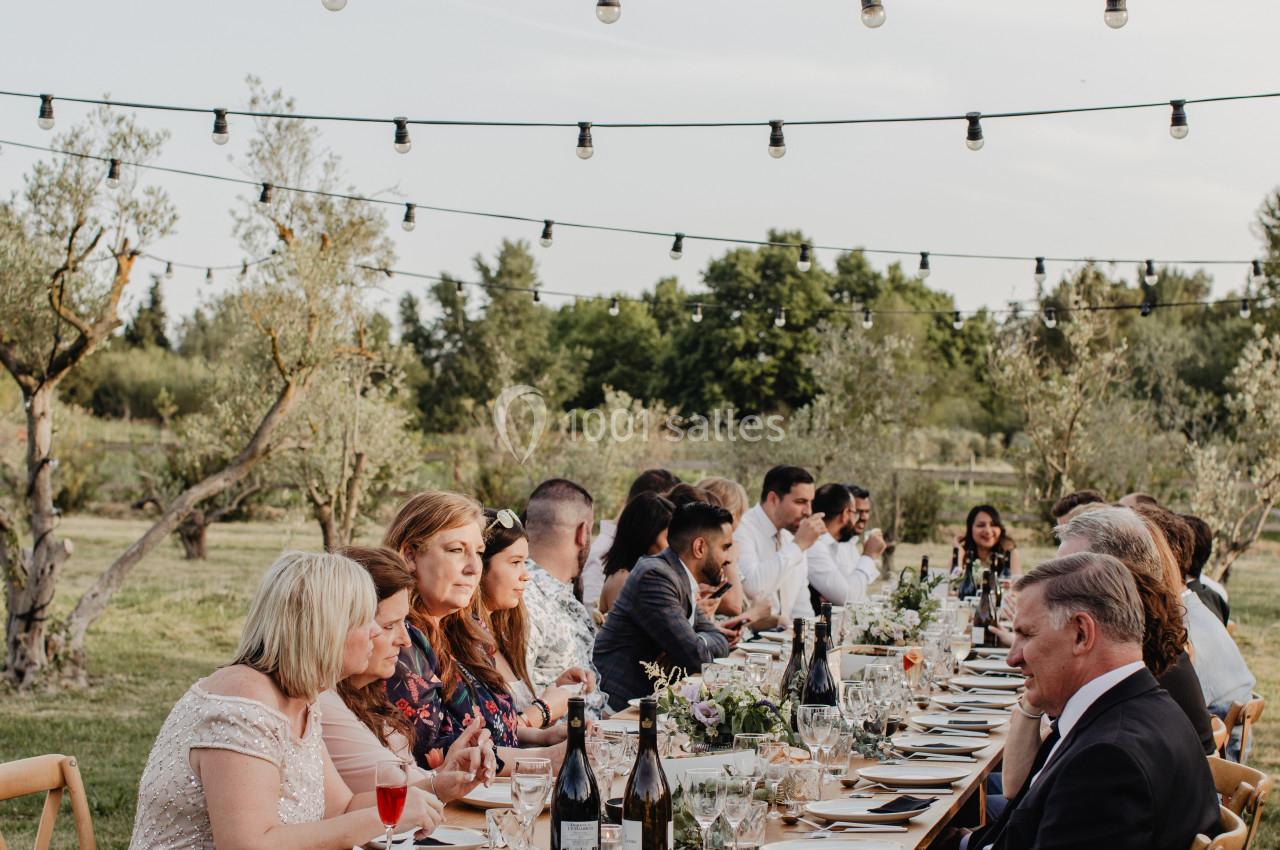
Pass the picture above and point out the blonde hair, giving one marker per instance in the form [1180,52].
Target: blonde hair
[730,494]
[298,621]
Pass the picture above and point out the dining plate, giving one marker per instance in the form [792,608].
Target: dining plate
[980,702]
[774,649]
[832,844]
[940,744]
[914,775]
[619,724]
[999,683]
[857,811]
[460,837]
[989,665]
[991,651]
[968,720]
[496,796]
[730,661]
[775,637]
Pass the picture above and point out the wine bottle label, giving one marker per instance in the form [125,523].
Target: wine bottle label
[631,834]
[979,635]
[579,835]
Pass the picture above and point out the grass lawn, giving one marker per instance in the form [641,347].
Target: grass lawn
[174,621]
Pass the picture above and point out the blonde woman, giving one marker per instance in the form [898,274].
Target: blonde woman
[240,763]
[731,496]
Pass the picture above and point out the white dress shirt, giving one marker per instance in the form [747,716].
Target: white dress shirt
[1224,675]
[1081,701]
[593,570]
[838,572]
[772,565]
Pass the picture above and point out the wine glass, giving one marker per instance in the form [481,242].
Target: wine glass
[773,757]
[815,723]
[391,785]
[530,785]
[758,664]
[737,801]
[835,758]
[853,699]
[705,790]
[745,760]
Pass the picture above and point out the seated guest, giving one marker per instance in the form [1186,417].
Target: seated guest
[1137,499]
[1200,552]
[731,496]
[986,541]
[656,617]
[1121,767]
[1071,501]
[240,761]
[642,531]
[649,481]
[772,541]
[836,574]
[443,679]
[360,725]
[500,608]
[869,543]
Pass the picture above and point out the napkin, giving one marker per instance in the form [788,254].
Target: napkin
[905,803]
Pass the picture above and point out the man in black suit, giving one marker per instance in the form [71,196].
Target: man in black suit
[656,617]
[1122,767]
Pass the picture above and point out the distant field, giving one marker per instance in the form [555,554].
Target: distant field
[175,621]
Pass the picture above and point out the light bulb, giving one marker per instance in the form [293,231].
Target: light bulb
[1145,309]
[264,197]
[244,269]
[45,118]
[221,132]
[608,11]
[585,148]
[1116,15]
[1149,275]
[1178,119]
[777,143]
[1244,308]
[735,314]
[614,307]
[402,143]
[1258,278]
[168,270]
[113,174]
[957,321]
[537,297]
[872,13]
[208,275]
[697,313]
[410,220]
[545,239]
[457,287]
[334,5]
[923,270]
[677,247]
[780,320]
[1040,273]
[866,319]
[806,260]
[973,137]
[1050,317]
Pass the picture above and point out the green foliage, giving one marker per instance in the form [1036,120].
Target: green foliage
[147,328]
[922,503]
[125,383]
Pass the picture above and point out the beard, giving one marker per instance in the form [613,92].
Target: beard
[847,533]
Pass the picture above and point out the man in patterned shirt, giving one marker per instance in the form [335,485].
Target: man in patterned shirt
[558,520]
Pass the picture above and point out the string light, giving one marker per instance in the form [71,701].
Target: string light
[1040,273]
[585,148]
[805,262]
[410,220]
[780,318]
[537,297]
[457,288]
[872,13]
[113,174]
[923,269]
[1256,276]
[973,138]
[677,247]
[608,11]
[1150,275]
[1116,14]
[1244,308]
[957,321]
[244,269]
[208,275]
[614,307]
[866,319]
[334,5]
[45,117]
[697,313]
[1178,120]
[777,143]
[1145,309]
[168,271]
[402,142]
[1050,317]
[264,197]
[545,239]
[221,132]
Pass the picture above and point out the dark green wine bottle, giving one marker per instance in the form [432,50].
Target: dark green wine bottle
[575,806]
[646,804]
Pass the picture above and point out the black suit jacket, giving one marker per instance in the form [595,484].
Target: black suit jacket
[1129,776]
[650,617]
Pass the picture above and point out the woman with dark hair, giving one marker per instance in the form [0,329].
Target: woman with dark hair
[986,541]
[642,530]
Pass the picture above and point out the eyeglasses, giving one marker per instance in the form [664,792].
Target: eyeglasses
[505,518]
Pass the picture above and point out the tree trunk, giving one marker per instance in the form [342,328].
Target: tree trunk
[192,533]
[328,527]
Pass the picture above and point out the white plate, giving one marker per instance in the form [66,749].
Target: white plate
[999,683]
[452,836]
[856,810]
[991,651]
[990,665]
[776,637]
[832,844]
[730,661]
[976,702]
[765,646]
[942,744]
[496,796]
[967,721]
[914,775]
[619,724]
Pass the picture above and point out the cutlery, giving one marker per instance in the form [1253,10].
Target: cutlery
[912,789]
[850,831]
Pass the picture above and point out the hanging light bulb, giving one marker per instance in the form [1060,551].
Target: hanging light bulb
[1116,15]
[1244,308]
[410,220]
[614,307]
[1145,309]
[545,239]
[677,247]
[168,270]
[1040,273]
[866,318]
[113,174]
[1256,276]
[780,319]
[1050,317]
[872,13]
[208,275]
[264,197]
[45,118]
[537,297]
[973,138]
[457,287]
[735,314]
[608,11]
[1178,120]
[585,148]
[334,5]
[957,321]
[923,270]
[806,260]
[1149,275]
[402,143]
[777,143]
[697,313]
[1015,311]
[221,132]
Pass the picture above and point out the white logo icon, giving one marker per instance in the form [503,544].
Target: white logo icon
[532,397]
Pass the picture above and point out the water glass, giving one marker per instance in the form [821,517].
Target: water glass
[802,785]
[835,758]
[745,760]
[737,799]
[505,829]
[816,722]
[758,664]
[774,759]
[530,787]
[751,832]
[704,793]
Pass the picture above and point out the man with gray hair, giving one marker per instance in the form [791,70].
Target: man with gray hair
[1121,767]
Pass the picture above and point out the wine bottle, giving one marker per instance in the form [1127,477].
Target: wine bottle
[984,618]
[820,687]
[646,804]
[825,615]
[793,675]
[924,569]
[968,586]
[575,806]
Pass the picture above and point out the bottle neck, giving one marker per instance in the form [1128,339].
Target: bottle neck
[648,728]
[577,726]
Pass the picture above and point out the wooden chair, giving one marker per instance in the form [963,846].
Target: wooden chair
[1243,790]
[52,775]
[1244,716]
[1232,834]
[1220,733]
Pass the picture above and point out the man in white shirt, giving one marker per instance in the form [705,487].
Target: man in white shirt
[772,539]
[861,543]
[649,481]
[839,574]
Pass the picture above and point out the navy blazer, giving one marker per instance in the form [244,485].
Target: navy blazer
[649,619]
[1130,776]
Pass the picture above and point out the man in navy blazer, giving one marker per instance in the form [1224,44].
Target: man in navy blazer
[1122,767]
[656,617]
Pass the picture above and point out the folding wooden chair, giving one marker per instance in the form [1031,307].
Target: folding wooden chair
[52,775]
[1243,790]
[1231,836]
[1244,716]
[1220,733]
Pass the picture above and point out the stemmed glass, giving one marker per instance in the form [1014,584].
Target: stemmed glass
[758,664]
[530,785]
[705,788]
[391,785]
[737,801]
[745,760]
[773,758]
[815,723]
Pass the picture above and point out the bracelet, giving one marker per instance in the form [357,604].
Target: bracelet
[431,774]
[1025,713]
[546,712]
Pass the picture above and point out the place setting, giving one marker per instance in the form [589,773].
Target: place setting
[983,684]
[995,664]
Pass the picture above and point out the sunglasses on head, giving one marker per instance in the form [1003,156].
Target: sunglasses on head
[505,518]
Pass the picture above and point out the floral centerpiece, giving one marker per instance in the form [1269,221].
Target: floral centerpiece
[870,624]
[918,596]
[712,719]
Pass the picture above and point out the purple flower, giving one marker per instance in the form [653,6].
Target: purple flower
[690,691]
[707,713]
[770,706]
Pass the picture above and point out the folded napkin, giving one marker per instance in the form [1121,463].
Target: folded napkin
[941,745]
[905,803]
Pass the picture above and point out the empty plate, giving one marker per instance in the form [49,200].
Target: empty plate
[991,651]
[832,844]
[1000,683]
[774,649]
[776,637]
[989,665]
[980,702]
[496,796]
[619,724]
[460,837]
[914,775]
[857,811]
[730,661]
[940,744]
[967,720]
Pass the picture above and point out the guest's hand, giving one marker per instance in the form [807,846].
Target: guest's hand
[811,528]
[1004,636]
[578,675]
[874,545]
[421,811]
[557,700]
[706,603]
[469,762]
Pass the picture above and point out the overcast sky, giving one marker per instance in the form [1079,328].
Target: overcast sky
[1105,184]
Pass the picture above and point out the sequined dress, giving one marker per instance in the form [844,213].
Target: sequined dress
[171,805]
